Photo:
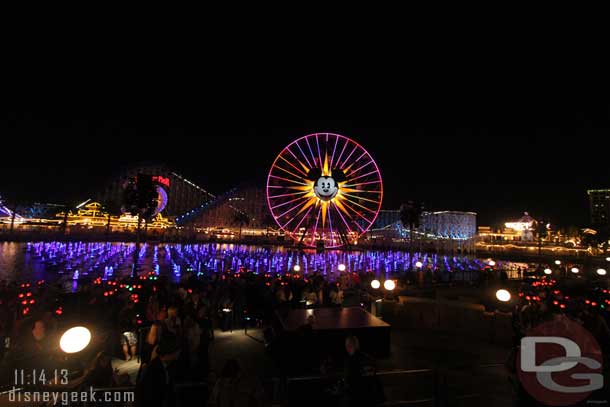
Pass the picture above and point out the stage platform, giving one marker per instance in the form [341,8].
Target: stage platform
[325,336]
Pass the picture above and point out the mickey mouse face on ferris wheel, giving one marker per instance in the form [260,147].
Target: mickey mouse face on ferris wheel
[330,169]
[326,188]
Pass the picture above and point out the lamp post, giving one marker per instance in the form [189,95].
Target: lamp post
[503,295]
[420,275]
[389,286]
[75,339]
[565,268]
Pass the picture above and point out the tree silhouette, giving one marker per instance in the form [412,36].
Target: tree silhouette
[112,208]
[541,232]
[242,219]
[409,217]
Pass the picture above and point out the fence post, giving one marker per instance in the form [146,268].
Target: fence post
[440,387]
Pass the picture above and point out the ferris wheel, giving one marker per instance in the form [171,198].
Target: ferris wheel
[324,189]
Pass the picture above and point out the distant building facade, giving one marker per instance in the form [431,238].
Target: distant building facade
[455,225]
[599,203]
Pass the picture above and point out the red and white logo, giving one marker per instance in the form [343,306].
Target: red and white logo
[560,363]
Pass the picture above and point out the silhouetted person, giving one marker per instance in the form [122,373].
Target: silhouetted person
[361,385]
[157,385]
[226,389]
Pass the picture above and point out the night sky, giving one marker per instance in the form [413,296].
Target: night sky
[495,160]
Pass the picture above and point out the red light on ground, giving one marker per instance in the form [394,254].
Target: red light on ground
[555,302]
[562,306]
[28,295]
[32,301]
[190,291]
[20,296]
[139,322]
[587,302]
[25,311]
[24,302]
[106,294]
[594,304]
[59,311]
[527,297]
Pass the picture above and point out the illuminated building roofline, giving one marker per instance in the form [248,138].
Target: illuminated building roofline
[592,191]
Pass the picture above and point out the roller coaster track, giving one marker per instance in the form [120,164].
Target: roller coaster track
[206,206]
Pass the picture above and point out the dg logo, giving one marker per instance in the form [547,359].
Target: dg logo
[560,363]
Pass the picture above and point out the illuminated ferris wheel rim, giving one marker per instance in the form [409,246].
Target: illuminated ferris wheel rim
[324,196]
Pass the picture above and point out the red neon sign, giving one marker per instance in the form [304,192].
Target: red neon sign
[161,180]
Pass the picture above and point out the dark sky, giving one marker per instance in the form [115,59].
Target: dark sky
[497,160]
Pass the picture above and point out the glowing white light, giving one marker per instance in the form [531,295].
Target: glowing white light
[601,272]
[491,263]
[297,268]
[75,339]
[548,271]
[503,295]
[419,264]
[389,285]
[558,262]
[519,226]
[575,270]
[607,258]
[341,267]
[375,284]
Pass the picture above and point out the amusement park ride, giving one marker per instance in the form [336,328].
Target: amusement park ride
[324,190]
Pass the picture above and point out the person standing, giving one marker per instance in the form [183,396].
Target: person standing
[362,387]
[127,325]
[156,389]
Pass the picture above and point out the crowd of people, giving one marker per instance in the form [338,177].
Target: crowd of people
[167,325]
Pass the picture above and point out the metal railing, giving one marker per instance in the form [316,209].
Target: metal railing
[433,385]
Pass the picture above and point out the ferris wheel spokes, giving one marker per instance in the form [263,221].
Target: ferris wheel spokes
[322,189]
